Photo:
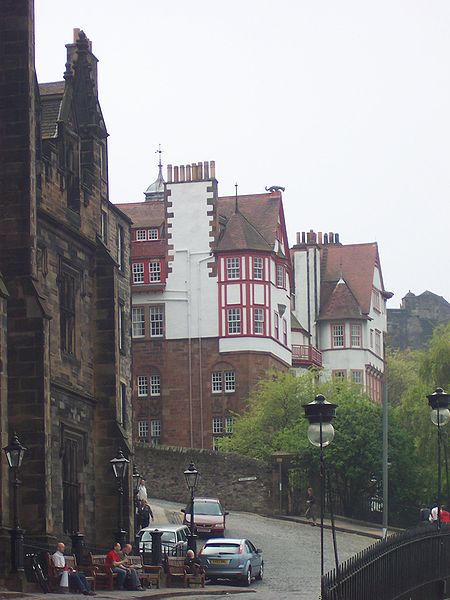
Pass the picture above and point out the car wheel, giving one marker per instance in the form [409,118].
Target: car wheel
[261,572]
[248,577]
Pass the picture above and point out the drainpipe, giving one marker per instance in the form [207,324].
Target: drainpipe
[188,292]
[199,322]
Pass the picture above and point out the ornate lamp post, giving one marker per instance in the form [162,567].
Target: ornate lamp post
[119,466]
[191,475]
[136,479]
[440,415]
[320,413]
[14,455]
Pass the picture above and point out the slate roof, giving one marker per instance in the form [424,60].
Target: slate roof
[354,264]
[254,225]
[51,96]
[340,303]
[144,214]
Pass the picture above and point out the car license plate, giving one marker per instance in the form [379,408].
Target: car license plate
[219,561]
[203,528]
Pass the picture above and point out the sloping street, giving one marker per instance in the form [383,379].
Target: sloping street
[291,552]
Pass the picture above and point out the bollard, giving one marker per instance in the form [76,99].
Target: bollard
[77,546]
[156,547]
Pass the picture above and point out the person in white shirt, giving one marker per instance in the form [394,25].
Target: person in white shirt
[142,491]
[77,579]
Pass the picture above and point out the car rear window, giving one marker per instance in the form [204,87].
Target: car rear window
[221,549]
[167,537]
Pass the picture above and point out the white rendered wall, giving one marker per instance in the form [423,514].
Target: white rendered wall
[301,289]
[255,344]
[190,295]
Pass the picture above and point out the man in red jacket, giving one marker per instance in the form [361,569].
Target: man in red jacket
[114,561]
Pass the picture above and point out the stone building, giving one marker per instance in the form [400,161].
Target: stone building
[64,255]
[411,325]
[211,296]
[340,310]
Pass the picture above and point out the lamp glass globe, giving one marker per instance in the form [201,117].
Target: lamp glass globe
[314,434]
[440,417]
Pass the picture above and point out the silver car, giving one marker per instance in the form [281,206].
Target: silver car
[226,558]
[173,539]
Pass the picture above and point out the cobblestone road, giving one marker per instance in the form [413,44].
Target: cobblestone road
[291,553]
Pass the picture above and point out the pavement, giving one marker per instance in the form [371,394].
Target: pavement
[153,594]
[344,525]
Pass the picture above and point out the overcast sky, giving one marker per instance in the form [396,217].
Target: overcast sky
[345,103]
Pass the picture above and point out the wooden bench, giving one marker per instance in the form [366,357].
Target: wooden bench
[54,574]
[176,571]
[105,575]
[149,575]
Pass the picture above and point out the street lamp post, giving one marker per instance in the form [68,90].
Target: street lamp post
[320,413]
[136,479]
[119,466]
[440,415]
[191,475]
[14,455]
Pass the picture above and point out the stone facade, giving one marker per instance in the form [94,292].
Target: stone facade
[186,405]
[411,325]
[65,258]
[241,483]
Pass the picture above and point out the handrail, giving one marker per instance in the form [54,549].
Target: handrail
[389,569]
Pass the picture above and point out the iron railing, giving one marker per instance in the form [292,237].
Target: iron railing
[392,568]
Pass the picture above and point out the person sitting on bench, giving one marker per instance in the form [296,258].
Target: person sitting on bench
[78,580]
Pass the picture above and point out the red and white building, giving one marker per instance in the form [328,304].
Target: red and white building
[340,310]
[211,304]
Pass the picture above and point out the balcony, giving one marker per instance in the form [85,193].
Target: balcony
[306,356]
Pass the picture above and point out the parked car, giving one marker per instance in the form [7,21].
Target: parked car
[209,516]
[231,559]
[173,539]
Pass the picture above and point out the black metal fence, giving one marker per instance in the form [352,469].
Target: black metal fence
[392,568]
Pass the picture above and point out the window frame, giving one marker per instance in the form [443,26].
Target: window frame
[138,238]
[280,276]
[257,269]
[229,381]
[155,385]
[155,428]
[142,426]
[336,377]
[217,386]
[353,336]
[157,324]
[233,268]
[152,272]
[217,425]
[141,273]
[335,335]
[234,325]
[143,385]
[258,323]
[137,324]
[359,372]
[150,236]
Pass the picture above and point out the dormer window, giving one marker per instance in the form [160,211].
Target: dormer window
[141,235]
[233,268]
[153,233]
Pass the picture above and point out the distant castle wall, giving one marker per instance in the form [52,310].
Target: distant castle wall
[411,325]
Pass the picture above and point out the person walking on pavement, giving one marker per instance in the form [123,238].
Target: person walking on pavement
[145,514]
[76,579]
[142,491]
[310,508]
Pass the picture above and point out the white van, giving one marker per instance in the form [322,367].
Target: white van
[173,540]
